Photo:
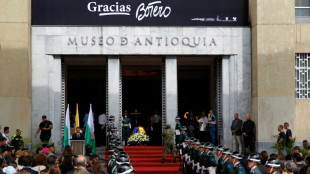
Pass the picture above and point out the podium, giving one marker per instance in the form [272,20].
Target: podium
[78,147]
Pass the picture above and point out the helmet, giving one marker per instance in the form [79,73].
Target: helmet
[273,162]
[220,148]
[177,118]
[121,159]
[114,129]
[123,153]
[237,155]
[111,117]
[125,169]
[191,139]
[186,140]
[183,128]
[226,151]
[202,145]
[255,157]
[209,146]
[196,142]
[297,148]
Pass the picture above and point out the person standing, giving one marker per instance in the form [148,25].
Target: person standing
[78,135]
[212,125]
[248,133]
[288,135]
[45,127]
[17,140]
[156,128]
[102,120]
[203,121]
[5,134]
[235,160]
[281,138]
[236,126]
[126,128]
[190,121]
[178,127]
[253,161]
[169,143]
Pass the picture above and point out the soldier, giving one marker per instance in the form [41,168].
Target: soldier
[109,126]
[220,163]
[253,160]
[273,165]
[228,167]
[169,143]
[126,128]
[195,155]
[201,152]
[112,165]
[182,136]
[208,163]
[235,160]
[17,140]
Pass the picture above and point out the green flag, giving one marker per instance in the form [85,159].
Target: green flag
[90,131]
[67,129]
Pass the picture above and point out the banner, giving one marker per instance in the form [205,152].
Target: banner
[140,12]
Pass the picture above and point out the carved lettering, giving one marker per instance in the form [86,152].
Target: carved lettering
[71,42]
[124,41]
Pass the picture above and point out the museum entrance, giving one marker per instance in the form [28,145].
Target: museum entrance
[142,93]
[196,88]
[85,85]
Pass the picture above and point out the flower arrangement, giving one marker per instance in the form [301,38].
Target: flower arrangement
[138,139]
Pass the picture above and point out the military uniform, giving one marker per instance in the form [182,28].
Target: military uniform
[126,129]
[207,159]
[112,165]
[109,126]
[196,158]
[182,137]
[168,135]
[228,167]
[255,171]
[17,141]
[178,132]
[220,165]
[239,169]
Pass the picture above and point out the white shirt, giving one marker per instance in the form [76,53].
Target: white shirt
[7,138]
[102,119]
[203,121]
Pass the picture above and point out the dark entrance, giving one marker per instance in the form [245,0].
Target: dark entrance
[142,93]
[196,87]
[85,85]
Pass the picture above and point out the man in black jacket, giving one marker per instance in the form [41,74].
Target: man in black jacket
[78,135]
[236,126]
[248,133]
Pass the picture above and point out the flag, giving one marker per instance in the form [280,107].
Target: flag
[90,131]
[77,119]
[67,129]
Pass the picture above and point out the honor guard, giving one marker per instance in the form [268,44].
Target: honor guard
[17,140]
[195,155]
[178,127]
[187,153]
[183,135]
[110,125]
[235,160]
[220,162]
[253,160]
[112,165]
[125,169]
[201,152]
[126,128]
[273,165]
[228,167]
[207,160]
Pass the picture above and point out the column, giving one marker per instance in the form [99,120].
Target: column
[114,102]
[171,89]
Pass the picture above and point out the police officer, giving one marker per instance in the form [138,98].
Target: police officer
[220,163]
[169,143]
[17,140]
[207,160]
[228,167]
[253,160]
[195,155]
[182,136]
[126,128]
[273,165]
[201,152]
[187,154]
[235,160]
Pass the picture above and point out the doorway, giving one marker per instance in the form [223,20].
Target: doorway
[142,93]
[85,85]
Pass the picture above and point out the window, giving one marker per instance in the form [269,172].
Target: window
[302,76]
[302,8]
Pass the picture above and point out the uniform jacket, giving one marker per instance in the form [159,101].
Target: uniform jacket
[220,165]
[239,169]
[126,121]
[255,171]
[168,135]
[228,168]
[207,160]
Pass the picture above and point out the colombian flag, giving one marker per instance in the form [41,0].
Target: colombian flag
[77,119]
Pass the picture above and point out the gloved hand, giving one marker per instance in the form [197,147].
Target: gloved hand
[197,171]
[188,162]
[193,168]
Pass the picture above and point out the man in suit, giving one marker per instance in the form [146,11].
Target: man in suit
[236,126]
[78,135]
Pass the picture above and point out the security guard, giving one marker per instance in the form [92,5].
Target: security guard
[169,143]
[126,128]
[273,165]
[207,160]
[228,167]
[235,160]
[253,160]
[220,163]
[17,140]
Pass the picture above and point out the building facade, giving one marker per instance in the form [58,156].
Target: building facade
[250,69]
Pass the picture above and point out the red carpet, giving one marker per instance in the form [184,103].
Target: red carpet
[147,160]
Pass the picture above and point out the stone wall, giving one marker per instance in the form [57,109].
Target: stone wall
[15,66]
